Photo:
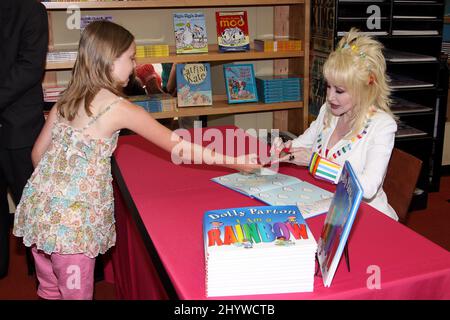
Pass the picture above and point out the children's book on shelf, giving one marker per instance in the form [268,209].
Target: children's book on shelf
[257,250]
[232,31]
[280,189]
[338,223]
[190,32]
[240,83]
[194,84]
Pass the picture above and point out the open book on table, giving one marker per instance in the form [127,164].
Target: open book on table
[280,189]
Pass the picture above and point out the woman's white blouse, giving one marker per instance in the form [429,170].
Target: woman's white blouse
[369,156]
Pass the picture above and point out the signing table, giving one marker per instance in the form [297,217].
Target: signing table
[159,252]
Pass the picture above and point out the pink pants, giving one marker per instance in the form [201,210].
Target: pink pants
[64,276]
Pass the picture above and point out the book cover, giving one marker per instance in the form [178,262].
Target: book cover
[194,84]
[280,189]
[232,31]
[257,250]
[240,83]
[190,32]
[338,223]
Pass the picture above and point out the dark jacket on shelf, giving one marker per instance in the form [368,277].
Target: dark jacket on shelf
[23,47]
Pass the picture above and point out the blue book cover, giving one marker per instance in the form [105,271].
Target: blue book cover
[280,189]
[240,83]
[194,84]
[338,223]
[190,32]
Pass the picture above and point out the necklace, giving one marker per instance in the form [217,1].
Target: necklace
[348,146]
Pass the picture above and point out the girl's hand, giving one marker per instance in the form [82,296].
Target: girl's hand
[246,163]
[298,156]
[276,148]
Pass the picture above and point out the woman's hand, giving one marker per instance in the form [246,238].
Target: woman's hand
[299,156]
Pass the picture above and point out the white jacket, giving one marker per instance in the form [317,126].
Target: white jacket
[369,156]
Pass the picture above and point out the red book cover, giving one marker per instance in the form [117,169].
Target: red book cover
[232,31]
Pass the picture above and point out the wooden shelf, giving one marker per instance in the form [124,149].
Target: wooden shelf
[166,4]
[212,55]
[221,106]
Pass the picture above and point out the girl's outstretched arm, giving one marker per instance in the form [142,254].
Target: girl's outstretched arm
[141,122]
[44,139]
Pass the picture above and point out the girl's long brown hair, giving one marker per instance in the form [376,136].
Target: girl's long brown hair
[101,43]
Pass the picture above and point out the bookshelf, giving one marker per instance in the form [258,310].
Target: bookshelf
[290,18]
[412,33]
[212,55]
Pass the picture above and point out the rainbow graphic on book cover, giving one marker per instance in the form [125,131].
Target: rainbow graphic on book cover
[258,250]
[254,227]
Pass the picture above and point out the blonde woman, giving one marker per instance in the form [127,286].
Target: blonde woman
[355,123]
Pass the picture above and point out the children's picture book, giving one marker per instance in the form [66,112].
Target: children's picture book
[232,31]
[258,250]
[190,32]
[280,189]
[240,83]
[338,223]
[194,84]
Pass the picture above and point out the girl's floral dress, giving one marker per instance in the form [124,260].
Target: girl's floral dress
[67,204]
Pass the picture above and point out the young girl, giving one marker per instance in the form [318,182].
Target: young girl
[355,123]
[66,213]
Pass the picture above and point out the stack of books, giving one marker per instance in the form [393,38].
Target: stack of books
[155,102]
[272,89]
[61,56]
[275,45]
[258,250]
[52,94]
[152,50]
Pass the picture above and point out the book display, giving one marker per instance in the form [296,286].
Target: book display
[279,88]
[152,50]
[274,45]
[280,189]
[411,32]
[338,223]
[194,84]
[190,32]
[258,250]
[178,33]
[232,31]
[240,83]
[155,102]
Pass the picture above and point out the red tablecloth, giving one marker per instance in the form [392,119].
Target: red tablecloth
[170,202]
